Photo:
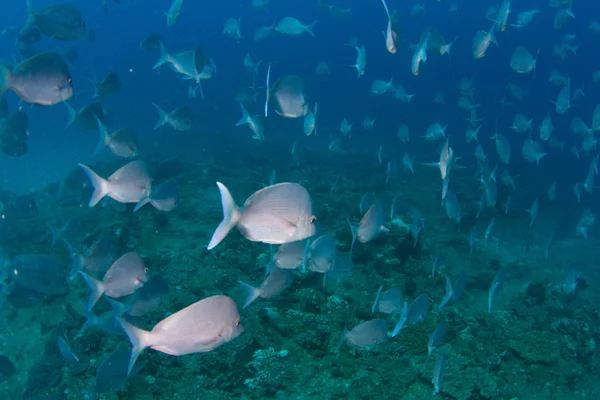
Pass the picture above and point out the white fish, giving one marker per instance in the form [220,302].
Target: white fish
[525,18]
[232,28]
[198,328]
[129,184]
[124,277]
[390,34]
[277,214]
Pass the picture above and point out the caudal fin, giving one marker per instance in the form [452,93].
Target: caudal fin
[76,260]
[231,216]
[163,117]
[245,116]
[72,115]
[253,293]
[310,27]
[4,75]
[139,338]
[104,138]
[164,57]
[96,287]
[30,17]
[100,185]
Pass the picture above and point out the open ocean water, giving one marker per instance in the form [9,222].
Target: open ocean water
[328,199]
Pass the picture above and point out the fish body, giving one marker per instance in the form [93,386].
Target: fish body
[43,79]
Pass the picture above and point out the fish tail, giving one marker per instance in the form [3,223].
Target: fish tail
[231,216]
[142,203]
[139,338]
[118,307]
[354,231]
[104,138]
[30,17]
[253,293]
[76,260]
[55,234]
[164,57]
[100,185]
[72,115]
[245,116]
[163,117]
[96,287]
[268,89]
[310,27]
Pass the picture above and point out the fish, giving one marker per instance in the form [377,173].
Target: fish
[289,97]
[40,273]
[198,328]
[112,374]
[292,27]
[310,122]
[481,42]
[232,28]
[276,282]
[497,283]
[435,339]
[61,21]
[43,79]
[64,347]
[522,60]
[151,42]
[291,255]
[446,156]
[14,134]
[371,224]
[420,55]
[438,374]
[163,197]
[30,36]
[321,254]
[179,119]
[367,334]
[144,300]
[109,86]
[129,184]
[124,277]
[390,302]
[122,142]
[98,257]
[263,32]
[390,34]
[361,61]
[254,122]
[276,214]
[173,13]
[524,18]
[87,117]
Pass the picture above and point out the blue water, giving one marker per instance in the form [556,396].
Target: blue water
[540,341]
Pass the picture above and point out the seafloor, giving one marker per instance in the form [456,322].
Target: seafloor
[538,343]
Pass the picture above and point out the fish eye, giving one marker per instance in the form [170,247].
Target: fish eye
[237,322]
[70,80]
[146,270]
[313,219]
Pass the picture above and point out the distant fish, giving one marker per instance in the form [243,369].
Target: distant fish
[367,334]
[144,300]
[59,21]
[390,34]
[198,328]
[420,55]
[40,273]
[151,42]
[481,42]
[275,283]
[292,27]
[254,122]
[277,214]
[321,254]
[173,13]
[163,197]
[109,86]
[124,277]
[232,28]
[122,143]
[179,119]
[98,257]
[522,60]
[497,283]
[371,224]
[291,255]
[129,184]
[361,61]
